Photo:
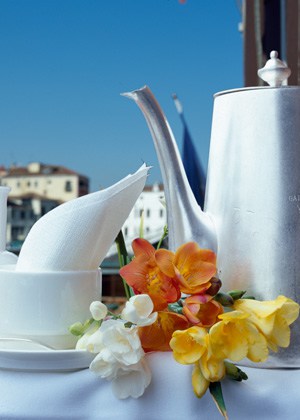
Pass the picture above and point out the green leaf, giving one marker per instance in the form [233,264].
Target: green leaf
[123,260]
[216,392]
[122,251]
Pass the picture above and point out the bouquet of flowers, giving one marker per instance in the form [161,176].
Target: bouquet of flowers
[175,304]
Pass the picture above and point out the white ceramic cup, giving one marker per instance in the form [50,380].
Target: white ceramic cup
[41,306]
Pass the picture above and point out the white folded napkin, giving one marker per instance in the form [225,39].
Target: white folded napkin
[77,234]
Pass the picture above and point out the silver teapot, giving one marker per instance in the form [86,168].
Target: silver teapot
[251,216]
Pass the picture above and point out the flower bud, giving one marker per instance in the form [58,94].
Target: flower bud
[215,286]
[76,329]
[224,299]
[237,294]
[138,310]
[98,310]
[233,372]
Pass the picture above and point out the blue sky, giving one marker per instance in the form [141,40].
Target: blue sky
[64,64]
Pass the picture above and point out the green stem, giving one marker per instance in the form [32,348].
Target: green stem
[165,233]
[141,230]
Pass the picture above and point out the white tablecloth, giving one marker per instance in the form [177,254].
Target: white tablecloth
[268,394]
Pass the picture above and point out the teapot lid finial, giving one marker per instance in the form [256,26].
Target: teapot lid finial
[275,72]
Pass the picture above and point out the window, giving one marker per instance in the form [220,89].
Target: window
[68,186]
[126,231]
[148,213]
[18,184]
[161,213]
[28,183]
[16,232]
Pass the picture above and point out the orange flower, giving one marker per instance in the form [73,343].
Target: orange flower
[202,310]
[152,272]
[196,267]
[156,337]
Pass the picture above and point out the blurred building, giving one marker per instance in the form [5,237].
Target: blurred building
[53,182]
[151,209]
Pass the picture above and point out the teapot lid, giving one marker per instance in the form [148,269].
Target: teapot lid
[275,73]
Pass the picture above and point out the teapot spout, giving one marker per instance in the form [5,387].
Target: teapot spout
[186,221]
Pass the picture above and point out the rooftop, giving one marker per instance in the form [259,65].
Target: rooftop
[36,169]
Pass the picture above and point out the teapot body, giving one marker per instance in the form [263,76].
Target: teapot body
[253,196]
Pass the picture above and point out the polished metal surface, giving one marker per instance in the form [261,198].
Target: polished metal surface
[186,221]
[253,195]
[252,202]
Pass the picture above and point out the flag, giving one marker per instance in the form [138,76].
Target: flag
[191,163]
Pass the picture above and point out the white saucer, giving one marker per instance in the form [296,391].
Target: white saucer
[45,360]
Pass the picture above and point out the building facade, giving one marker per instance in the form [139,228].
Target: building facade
[52,182]
[149,210]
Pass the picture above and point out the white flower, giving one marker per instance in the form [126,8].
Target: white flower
[105,365]
[91,341]
[98,310]
[120,357]
[82,343]
[131,381]
[124,343]
[138,310]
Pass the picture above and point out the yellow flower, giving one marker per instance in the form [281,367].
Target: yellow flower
[208,369]
[272,318]
[193,346]
[199,382]
[188,345]
[235,338]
